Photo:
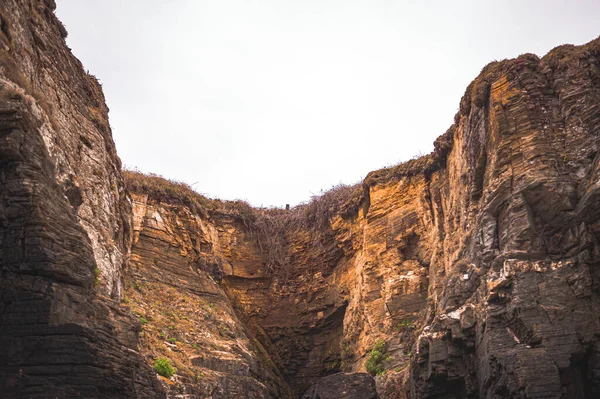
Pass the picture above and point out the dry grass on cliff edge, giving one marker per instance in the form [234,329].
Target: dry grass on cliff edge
[270,226]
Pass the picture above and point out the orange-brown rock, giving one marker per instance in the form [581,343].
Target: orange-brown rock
[471,272]
[176,266]
[475,264]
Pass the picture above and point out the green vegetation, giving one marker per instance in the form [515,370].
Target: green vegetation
[97,274]
[172,340]
[163,367]
[405,324]
[376,358]
[143,320]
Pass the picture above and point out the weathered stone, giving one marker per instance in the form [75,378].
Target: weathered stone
[64,232]
[343,385]
[474,264]
[474,267]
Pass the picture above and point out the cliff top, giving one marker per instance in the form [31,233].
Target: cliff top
[346,200]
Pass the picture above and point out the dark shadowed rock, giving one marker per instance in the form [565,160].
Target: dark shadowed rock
[343,386]
[64,220]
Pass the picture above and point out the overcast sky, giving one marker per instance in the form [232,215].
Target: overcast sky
[272,101]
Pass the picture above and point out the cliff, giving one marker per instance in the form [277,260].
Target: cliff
[64,223]
[475,264]
[470,272]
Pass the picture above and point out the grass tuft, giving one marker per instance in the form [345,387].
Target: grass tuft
[163,367]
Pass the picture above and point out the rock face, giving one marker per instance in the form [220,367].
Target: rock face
[468,273]
[343,385]
[514,236]
[64,220]
[475,264]
[173,287]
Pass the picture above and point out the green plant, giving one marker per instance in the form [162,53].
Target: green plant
[163,367]
[97,274]
[405,324]
[376,358]
[380,346]
[143,320]
[172,340]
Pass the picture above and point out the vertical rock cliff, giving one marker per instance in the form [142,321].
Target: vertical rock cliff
[64,223]
[514,259]
[471,272]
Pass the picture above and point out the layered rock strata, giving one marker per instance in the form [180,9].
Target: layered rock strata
[475,264]
[475,268]
[64,223]
[174,289]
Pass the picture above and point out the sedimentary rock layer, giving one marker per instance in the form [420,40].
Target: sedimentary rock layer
[475,264]
[64,220]
[173,286]
[473,270]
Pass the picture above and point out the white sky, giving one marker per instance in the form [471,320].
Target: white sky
[272,101]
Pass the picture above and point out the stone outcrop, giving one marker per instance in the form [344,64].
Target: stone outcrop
[475,264]
[343,385]
[64,223]
[176,265]
[471,272]
[514,245]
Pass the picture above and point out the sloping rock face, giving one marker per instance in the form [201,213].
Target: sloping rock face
[188,319]
[64,220]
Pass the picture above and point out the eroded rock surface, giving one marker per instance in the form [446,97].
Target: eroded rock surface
[63,224]
[343,385]
[188,319]
[474,269]
[475,264]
